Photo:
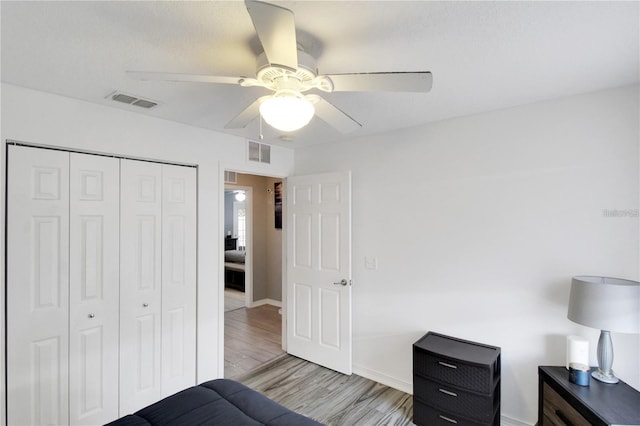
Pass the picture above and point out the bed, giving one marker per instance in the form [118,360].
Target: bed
[220,402]
[234,269]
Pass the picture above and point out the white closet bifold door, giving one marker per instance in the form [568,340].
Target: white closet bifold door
[93,289]
[140,284]
[38,286]
[178,278]
[101,285]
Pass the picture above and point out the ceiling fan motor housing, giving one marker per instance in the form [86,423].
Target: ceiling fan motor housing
[305,77]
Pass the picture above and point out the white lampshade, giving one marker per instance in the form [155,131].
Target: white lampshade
[287,110]
[610,304]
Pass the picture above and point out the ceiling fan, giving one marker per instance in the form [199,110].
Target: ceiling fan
[287,70]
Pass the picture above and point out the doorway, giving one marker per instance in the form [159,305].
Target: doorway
[238,235]
[253,289]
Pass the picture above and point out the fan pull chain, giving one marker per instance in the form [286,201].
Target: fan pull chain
[261,135]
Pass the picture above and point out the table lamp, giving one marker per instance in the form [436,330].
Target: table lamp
[609,304]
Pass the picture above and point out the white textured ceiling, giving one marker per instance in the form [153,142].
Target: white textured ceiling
[483,55]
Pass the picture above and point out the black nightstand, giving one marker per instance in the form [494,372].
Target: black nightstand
[230,243]
[455,381]
[563,402]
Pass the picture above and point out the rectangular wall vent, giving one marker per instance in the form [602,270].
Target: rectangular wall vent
[132,100]
[259,152]
[230,177]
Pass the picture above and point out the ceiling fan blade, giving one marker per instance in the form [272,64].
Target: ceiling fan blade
[333,116]
[245,117]
[192,78]
[382,82]
[276,30]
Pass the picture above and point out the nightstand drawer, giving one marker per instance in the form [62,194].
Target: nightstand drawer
[424,414]
[454,372]
[480,407]
[557,411]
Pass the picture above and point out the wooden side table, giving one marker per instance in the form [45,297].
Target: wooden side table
[562,402]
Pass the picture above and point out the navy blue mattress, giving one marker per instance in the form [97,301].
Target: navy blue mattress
[218,402]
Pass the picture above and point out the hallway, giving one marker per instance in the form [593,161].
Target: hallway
[252,337]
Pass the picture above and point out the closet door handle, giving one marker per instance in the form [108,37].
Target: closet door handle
[145,305]
[91,316]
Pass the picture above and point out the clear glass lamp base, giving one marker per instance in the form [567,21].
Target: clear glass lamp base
[604,376]
[604,373]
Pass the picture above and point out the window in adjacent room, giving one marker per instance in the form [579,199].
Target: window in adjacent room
[239,219]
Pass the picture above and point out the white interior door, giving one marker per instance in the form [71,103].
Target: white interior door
[140,284]
[38,286]
[93,288]
[319,269]
[178,278]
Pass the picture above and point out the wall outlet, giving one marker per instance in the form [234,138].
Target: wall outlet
[371,263]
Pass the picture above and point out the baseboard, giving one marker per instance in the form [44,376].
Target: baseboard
[376,376]
[508,421]
[271,302]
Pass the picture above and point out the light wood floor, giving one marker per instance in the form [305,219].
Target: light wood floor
[252,337]
[330,397]
[233,299]
[253,356]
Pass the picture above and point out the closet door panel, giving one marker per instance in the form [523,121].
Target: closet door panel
[178,278]
[94,289]
[140,284]
[37,286]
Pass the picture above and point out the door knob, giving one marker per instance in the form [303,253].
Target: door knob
[145,305]
[342,282]
[91,316]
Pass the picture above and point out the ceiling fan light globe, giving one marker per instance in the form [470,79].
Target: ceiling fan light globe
[287,111]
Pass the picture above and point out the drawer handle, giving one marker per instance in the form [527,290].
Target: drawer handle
[446,392]
[563,418]
[444,364]
[449,419]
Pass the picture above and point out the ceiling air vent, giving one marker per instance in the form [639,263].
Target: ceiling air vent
[132,100]
[259,152]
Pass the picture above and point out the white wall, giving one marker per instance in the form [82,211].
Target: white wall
[478,225]
[41,118]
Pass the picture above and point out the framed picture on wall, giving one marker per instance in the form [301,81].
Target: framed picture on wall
[277,202]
